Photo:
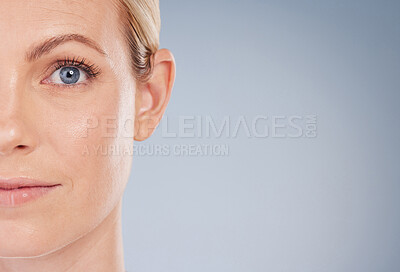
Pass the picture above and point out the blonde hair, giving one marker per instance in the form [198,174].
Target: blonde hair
[141,27]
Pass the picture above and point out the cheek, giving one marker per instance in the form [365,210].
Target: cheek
[94,146]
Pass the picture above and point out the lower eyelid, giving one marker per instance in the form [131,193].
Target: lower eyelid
[77,86]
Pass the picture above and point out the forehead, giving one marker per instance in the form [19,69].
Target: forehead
[24,22]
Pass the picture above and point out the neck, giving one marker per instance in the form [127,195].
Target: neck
[98,251]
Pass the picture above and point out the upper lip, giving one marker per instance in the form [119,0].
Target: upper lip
[23,182]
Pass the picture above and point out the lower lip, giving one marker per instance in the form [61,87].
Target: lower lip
[15,197]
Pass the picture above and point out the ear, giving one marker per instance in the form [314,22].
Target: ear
[153,96]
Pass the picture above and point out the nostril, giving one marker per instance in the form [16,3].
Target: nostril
[21,147]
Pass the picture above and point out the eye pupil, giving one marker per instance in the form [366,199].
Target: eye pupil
[69,75]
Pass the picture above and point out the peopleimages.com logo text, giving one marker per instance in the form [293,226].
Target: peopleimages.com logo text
[199,126]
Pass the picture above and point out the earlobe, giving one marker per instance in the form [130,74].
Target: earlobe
[153,96]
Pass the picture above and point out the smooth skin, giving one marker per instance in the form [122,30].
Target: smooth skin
[50,131]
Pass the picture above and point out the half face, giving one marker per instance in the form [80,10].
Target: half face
[66,113]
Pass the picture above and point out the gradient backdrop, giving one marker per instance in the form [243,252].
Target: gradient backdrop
[328,203]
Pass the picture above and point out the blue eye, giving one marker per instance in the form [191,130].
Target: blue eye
[68,76]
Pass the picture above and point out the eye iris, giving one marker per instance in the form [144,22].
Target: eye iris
[69,75]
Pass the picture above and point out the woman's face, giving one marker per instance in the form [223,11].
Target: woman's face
[66,112]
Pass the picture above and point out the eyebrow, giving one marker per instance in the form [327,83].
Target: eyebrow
[46,46]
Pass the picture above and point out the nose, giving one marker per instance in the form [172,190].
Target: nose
[17,110]
[14,137]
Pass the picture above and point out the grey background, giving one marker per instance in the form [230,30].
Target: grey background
[329,203]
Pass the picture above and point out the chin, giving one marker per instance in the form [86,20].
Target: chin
[27,240]
[21,240]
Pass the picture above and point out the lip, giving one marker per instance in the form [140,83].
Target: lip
[21,190]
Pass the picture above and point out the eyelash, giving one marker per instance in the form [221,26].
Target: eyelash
[91,70]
